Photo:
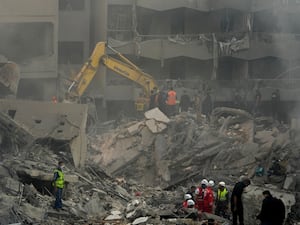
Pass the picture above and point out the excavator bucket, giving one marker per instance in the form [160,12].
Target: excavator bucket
[9,78]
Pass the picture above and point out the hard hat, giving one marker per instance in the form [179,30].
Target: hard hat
[211,183]
[190,202]
[222,183]
[204,181]
[187,196]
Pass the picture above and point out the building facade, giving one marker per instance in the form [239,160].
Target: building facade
[228,45]
[29,37]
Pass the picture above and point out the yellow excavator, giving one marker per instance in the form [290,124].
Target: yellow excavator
[122,66]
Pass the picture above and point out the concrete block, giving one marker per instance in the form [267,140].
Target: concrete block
[147,137]
[155,127]
[157,115]
[140,220]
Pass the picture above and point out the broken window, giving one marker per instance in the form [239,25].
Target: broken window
[120,22]
[70,52]
[71,5]
[24,41]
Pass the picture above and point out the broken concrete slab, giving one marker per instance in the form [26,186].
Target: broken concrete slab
[157,115]
[134,129]
[113,217]
[61,121]
[155,127]
[140,220]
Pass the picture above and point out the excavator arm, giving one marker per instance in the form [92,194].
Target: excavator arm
[122,67]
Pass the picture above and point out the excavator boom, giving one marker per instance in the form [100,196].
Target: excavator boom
[122,67]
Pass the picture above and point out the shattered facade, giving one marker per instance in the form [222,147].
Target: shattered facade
[226,44]
[29,38]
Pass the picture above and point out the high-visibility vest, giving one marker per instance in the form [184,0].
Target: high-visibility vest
[171,98]
[60,181]
[222,195]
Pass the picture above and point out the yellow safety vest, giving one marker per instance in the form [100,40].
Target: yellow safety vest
[222,195]
[60,181]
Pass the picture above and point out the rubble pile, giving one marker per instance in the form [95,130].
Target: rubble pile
[159,151]
[139,172]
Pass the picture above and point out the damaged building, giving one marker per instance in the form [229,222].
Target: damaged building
[226,45]
[230,46]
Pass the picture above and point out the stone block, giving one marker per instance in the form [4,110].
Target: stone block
[157,115]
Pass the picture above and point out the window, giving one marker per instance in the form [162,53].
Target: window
[24,41]
[70,52]
[71,5]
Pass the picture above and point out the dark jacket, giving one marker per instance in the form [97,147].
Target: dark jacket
[272,211]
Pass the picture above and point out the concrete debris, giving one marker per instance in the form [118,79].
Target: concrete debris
[140,220]
[157,115]
[139,172]
[155,127]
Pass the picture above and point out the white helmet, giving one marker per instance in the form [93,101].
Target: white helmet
[187,196]
[211,183]
[222,183]
[190,202]
[204,181]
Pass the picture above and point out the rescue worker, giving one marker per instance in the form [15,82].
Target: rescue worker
[222,201]
[186,198]
[257,103]
[171,102]
[207,106]
[198,106]
[204,197]
[210,187]
[272,210]
[58,183]
[275,101]
[236,201]
[192,192]
[160,101]
[152,102]
[185,102]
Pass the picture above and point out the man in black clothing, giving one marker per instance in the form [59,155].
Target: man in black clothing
[236,201]
[185,102]
[272,210]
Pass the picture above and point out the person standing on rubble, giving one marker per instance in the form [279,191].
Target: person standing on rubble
[185,102]
[58,183]
[171,102]
[152,102]
[222,201]
[236,201]
[207,106]
[198,105]
[257,103]
[204,197]
[275,101]
[272,210]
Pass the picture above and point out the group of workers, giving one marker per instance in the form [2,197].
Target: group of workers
[167,102]
[204,199]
